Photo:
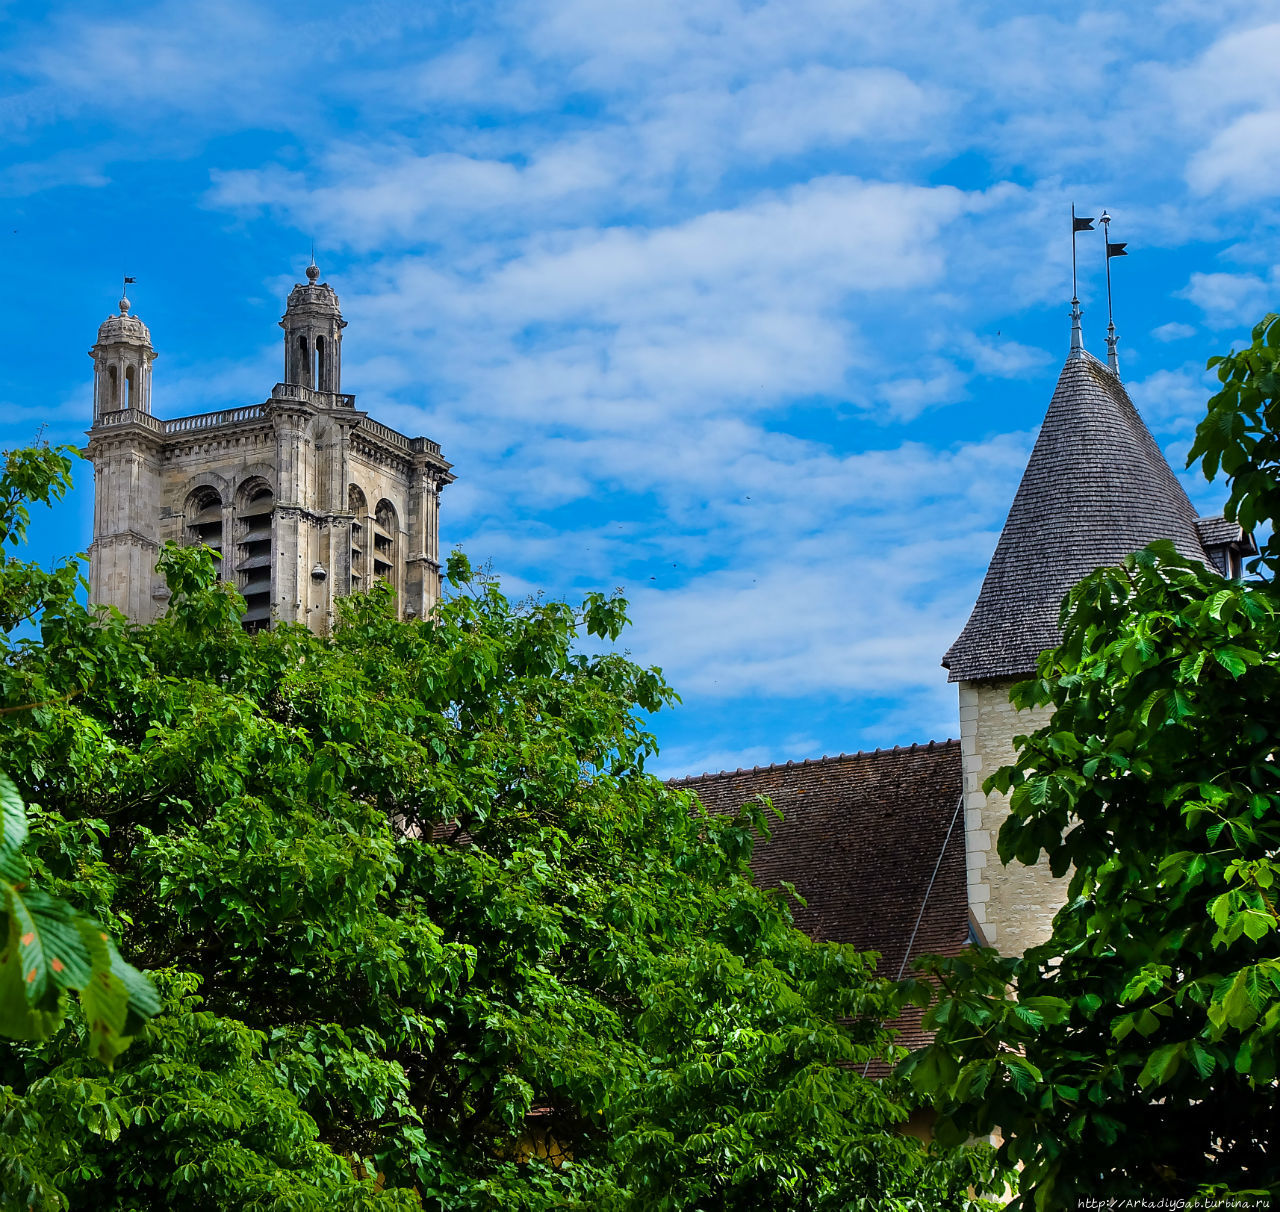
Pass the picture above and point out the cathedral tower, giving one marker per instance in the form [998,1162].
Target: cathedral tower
[1096,489]
[304,497]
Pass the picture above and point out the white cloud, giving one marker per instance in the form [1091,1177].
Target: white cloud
[1004,359]
[1242,161]
[1173,401]
[1175,330]
[1229,300]
[908,396]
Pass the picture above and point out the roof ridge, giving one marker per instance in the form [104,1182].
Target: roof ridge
[824,760]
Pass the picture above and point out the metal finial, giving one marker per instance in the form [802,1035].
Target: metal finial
[1113,362]
[1077,333]
[124,296]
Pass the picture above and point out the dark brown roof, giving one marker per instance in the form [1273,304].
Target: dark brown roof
[1096,489]
[860,838]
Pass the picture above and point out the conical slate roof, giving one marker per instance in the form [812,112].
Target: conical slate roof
[1096,489]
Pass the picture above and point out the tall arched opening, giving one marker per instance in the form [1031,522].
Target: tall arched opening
[386,530]
[254,539]
[358,505]
[203,516]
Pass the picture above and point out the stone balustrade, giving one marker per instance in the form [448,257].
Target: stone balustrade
[259,412]
[211,420]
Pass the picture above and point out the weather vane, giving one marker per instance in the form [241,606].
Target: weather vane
[1079,223]
[1113,250]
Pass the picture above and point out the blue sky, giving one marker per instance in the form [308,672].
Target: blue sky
[749,308]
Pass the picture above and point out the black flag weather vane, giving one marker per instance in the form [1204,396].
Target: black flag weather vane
[1081,223]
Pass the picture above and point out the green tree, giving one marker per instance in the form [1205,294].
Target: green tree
[46,947]
[420,917]
[1135,1052]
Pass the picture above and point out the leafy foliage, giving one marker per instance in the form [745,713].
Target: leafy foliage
[1240,436]
[51,948]
[48,947]
[453,946]
[1135,1053]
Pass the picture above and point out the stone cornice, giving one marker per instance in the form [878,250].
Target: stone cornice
[376,451]
[315,516]
[116,538]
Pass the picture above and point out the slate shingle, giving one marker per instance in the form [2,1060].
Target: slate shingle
[1096,489]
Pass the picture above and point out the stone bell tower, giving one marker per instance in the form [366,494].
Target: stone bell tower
[1096,489]
[303,497]
[123,554]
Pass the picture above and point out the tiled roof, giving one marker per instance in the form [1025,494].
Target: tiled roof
[1096,489]
[860,839]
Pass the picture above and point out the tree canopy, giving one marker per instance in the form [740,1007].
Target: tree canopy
[426,933]
[1134,1054]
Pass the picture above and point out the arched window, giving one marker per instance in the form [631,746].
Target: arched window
[358,505]
[304,363]
[203,514]
[318,379]
[256,504]
[386,530]
[129,375]
[113,377]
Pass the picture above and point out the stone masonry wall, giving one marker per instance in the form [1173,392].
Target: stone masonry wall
[1013,905]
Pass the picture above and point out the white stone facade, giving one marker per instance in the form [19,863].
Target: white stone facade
[1013,906]
[305,497]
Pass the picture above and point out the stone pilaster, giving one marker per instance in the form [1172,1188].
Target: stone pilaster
[126,510]
[422,566]
[1013,905]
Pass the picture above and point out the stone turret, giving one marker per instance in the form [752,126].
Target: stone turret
[1096,489]
[313,325]
[122,358]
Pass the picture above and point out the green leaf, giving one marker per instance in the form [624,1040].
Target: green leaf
[13,818]
[105,999]
[49,951]
[1230,661]
[1162,1064]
